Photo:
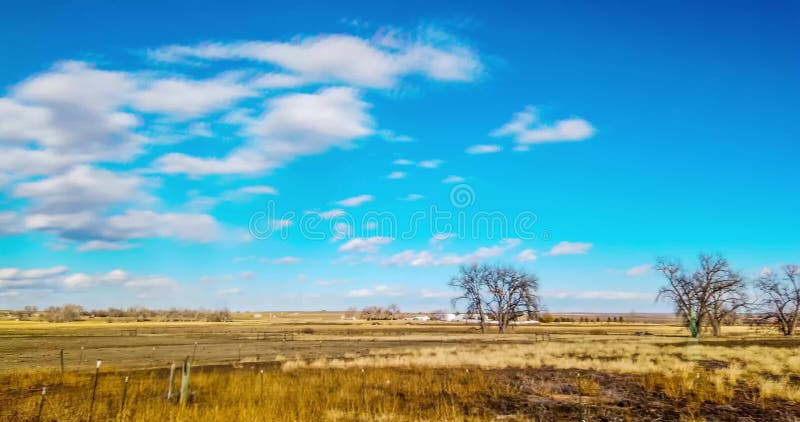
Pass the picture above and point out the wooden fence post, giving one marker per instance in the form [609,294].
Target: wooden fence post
[124,396]
[171,377]
[261,400]
[185,374]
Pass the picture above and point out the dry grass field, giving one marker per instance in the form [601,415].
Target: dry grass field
[318,367]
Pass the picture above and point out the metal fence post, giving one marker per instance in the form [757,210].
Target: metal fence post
[41,405]
[94,390]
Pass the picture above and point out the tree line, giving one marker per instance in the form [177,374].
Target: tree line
[72,312]
[713,294]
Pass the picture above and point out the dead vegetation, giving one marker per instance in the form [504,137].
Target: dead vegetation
[410,372]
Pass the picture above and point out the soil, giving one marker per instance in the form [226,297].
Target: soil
[548,394]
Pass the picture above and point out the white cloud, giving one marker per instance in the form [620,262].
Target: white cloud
[334,213]
[365,245]
[283,260]
[103,245]
[430,164]
[258,190]
[11,223]
[29,162]
[281,224]
[484,149]
[424,258]
[440,237]
[241,161]
[526,129]
[355,200]
[293,125]
[18,278]
[412,197]
[403,162]
[390,136]
[60,278]
[453,179]
[412,258]
[570,248]
[377,290]
[229,291]
[526,255]
[189,98]
[378,62]
[396,175]
[277,80]
[145,224]
[638,270]
[81,188]
[73,110]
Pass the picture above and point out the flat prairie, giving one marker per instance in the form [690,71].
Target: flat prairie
[317,366]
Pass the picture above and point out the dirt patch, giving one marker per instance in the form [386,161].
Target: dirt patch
[713,364]
[549,394]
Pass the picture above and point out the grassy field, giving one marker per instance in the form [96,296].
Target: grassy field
[318,367]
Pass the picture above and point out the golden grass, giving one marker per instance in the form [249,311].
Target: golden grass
[308,395]
[412,372]
[677,367]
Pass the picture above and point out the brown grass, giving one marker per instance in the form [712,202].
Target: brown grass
[411,372]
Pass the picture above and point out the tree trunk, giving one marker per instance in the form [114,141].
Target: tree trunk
[716,328]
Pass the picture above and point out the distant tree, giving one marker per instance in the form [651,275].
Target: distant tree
[379,313]
[780,300]
[500,291]
[620,319]
[547,318]
[393,311]
[67,313]
[710,295]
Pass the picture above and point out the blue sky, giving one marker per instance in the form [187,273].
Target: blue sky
[165,155]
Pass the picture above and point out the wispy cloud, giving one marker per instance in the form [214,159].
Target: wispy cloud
[365,245]
[638,270]
[526,129]
[569,248]
[453,179]
[484,149]
[355,200]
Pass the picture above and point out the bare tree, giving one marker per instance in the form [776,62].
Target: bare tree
[713,293]
[781,297]
[502,292]
[470,282]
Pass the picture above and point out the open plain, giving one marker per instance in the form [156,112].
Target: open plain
[316,366]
